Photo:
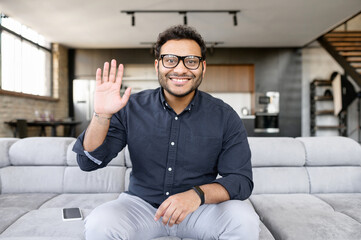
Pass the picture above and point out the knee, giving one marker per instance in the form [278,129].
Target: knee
[101,224]
[244,220]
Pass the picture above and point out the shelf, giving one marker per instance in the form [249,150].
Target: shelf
[323,98]
[329,127]
[325,112]
[320,82]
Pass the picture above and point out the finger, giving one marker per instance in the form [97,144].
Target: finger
[113,70]
[168,214]
[120,74]
[126,96]
[182,216]
[163,207]
[105,72]
[98,76]
[174,217]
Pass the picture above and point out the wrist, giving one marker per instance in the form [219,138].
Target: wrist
[200,194]
[103,115]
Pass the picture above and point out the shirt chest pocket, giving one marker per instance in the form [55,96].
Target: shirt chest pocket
[200,153]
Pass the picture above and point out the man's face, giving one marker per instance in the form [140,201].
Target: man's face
[180,81]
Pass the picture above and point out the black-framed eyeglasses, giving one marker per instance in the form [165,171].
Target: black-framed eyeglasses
[171,61]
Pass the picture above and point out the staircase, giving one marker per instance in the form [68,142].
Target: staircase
[345,48]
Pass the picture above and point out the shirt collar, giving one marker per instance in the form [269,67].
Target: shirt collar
[189,107]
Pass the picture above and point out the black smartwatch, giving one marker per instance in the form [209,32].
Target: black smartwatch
[200,193]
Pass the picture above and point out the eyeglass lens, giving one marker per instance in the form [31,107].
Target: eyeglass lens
[191,62]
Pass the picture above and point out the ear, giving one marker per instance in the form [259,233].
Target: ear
[156,62]
[204,68]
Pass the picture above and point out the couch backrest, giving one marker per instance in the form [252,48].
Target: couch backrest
[280,165]
[333,164]
[5,144]
[47,164]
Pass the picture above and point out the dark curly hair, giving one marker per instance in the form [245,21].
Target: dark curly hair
[179,32]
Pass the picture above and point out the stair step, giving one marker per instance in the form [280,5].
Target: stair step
[325,112]
[354,59]
[351,54]
[344,39]
[355,65]
[347,49]
[346,44]
[344,33]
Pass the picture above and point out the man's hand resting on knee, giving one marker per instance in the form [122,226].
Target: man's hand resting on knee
[176,208]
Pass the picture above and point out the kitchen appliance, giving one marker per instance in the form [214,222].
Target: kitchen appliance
[267,112]
[83,100]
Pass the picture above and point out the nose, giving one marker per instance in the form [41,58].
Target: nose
[180,68]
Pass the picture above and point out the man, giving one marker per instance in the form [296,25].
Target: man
[179,139]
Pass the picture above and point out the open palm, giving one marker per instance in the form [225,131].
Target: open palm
[107,99]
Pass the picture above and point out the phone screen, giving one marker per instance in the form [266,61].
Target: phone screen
[72,214]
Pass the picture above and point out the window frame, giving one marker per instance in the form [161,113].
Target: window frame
[22,94]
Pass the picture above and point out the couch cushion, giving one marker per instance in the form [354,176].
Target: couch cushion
[27,201]
[83,201]
[40,151]
[331,151]
[303,216]
[105,180]
[335,179]
[119,160]
[40,179]
[280,180]
[9,215]
[5,144]
[46,223]
[349,204]
[276,151]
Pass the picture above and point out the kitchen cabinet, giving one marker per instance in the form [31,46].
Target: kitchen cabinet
[229,78]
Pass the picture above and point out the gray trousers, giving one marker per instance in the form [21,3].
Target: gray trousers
[131,218]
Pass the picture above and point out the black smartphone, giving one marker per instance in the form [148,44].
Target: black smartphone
[70,214]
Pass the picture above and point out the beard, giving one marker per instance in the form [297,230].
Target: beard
[164,83]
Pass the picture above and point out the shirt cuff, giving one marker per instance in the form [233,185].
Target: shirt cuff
[92,158]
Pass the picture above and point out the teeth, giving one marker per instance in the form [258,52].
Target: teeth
[180,80]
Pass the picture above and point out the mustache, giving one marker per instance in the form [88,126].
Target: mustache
[169,75]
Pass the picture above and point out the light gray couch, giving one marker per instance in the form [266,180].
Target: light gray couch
[305,188]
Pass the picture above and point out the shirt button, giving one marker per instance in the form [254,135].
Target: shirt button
[170,169]
[172,143]
[167,193]
[176,118]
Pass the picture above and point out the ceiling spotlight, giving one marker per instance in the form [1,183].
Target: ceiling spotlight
[133,20]
[235,23]
[185,20]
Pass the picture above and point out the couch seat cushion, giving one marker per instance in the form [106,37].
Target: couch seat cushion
[346,203]
[26,201]
[82,201]
[8,216]
[46,223]
[303,216]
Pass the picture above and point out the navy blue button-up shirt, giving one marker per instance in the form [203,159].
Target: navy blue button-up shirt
[171,153]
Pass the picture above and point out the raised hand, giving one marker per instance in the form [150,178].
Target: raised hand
[107,99]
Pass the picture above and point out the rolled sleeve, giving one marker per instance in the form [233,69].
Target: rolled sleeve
[234,163]
[114,142]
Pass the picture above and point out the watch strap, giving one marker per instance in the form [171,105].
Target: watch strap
[200,193]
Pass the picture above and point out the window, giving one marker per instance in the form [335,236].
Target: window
[25,59]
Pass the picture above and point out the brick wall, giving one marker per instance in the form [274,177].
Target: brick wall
[23,106]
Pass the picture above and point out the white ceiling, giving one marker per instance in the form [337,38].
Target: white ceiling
[261,23]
